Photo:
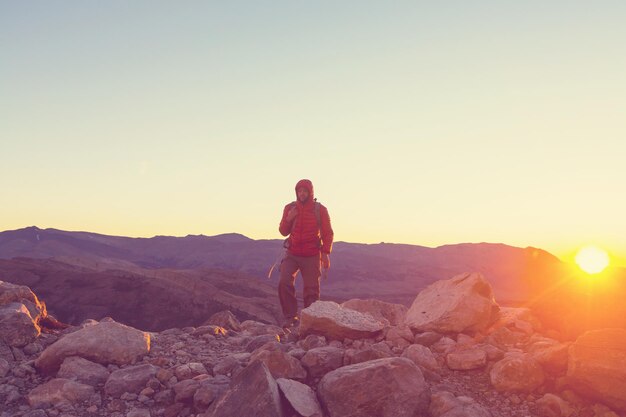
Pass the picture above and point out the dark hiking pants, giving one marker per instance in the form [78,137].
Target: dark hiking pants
[309,267]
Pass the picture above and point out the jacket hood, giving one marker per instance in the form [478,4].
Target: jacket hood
[308,185]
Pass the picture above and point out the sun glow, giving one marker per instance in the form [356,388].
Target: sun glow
[592,260]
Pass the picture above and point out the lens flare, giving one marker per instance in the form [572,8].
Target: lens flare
[592,260]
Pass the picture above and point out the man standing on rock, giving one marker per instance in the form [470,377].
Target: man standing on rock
[310,242]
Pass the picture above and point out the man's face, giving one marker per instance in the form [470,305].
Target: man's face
[303,194]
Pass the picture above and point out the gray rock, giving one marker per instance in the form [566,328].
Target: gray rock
[462,303]
[60,391]
[4,367]
[36,413]
[388,313]
[596,366]
[516,372]
[12,293]
[422,357]
[390,387]
[427,338]
[225,319]
[189,370]
[466,359]
[258,341]
[17,327]
[445,404]
[253,393]
[185,390]
[132,380]
[329,319]
[551,405]
[319,361]
[227,365]
[138,412]
[301,397]
[279,363]
[104,343]
[83,371]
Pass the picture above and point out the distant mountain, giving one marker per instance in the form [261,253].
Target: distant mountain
[154,300]
[386,271]
[233,264]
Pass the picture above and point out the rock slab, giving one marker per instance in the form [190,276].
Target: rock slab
[104,343]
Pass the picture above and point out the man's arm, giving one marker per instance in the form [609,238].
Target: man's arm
[326,231]
[289,213]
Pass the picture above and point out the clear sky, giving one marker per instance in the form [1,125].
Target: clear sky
[418,122]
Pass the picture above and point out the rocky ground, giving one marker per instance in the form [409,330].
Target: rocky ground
[338,362]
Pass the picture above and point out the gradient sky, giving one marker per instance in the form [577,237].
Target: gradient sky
[418,122]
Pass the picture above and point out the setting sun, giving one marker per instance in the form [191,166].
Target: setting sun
[592,260]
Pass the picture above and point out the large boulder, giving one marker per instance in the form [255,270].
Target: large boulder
[462,303]
[329,319]
[597,366]
[380,310]
[253,392]
[17,326]
[301,397]
[516,372]
[12,293]
[390,387]
[105,343]
[58,391]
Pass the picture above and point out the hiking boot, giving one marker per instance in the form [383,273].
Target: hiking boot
[290,323]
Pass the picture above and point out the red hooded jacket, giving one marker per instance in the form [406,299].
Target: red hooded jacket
[305,238]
